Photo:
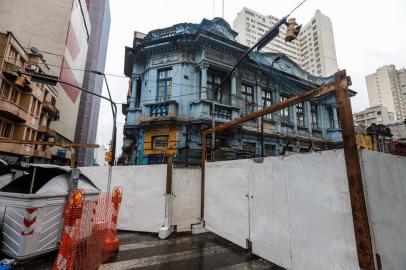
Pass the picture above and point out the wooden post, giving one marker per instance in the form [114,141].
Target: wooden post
[169,174]
[352,161]
[203,167]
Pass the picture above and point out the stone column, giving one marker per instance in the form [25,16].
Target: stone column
[234,89]
[276,116]
[308,117]
[293,117]
[203,89]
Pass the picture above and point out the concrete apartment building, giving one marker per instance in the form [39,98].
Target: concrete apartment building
[387,87]
[86,127]
[313,50]
[377,115]
[27,109]
[61,30]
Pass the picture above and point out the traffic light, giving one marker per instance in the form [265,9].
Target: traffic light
[292,30]
[21,81]
[109,156]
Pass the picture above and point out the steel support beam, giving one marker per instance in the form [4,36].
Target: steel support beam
[352,162]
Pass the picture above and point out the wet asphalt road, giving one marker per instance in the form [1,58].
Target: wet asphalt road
[181,252]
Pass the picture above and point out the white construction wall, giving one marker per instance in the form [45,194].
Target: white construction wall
[297,213]
[143,204]
[385,182]
[144,187]
[186,198]
[226,200]
[295,210]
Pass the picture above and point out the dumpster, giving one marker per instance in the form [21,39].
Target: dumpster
[31,210]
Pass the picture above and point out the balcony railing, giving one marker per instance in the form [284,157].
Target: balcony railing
[163,108]
[221,112]
[18,149]
[48,107]
[11,68]
[42,154]
[46,130]
[13,111]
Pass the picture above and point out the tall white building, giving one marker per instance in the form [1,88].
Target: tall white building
[313,50]
[387,87]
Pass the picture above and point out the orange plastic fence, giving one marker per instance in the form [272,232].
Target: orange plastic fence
[89,231]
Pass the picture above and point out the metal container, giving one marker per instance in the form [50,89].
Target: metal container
[31,223]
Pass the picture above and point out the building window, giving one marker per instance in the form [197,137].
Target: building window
[314,115]
[6,129]
[378,113]
[285,117]
[267,101]
[160,142]
[300,114]
[33,104]
[5,90]
[269,150]
[164,84]
[213,81]
[247,97]
[331,117]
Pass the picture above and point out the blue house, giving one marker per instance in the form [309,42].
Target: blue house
[173,76]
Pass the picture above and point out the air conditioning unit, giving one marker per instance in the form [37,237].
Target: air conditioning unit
[31,67]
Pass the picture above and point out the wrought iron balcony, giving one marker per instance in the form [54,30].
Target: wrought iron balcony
[221,112]
[165,108]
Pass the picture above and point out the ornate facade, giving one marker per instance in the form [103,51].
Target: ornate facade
[173,76]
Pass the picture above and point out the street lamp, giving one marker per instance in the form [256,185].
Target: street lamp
[114,112]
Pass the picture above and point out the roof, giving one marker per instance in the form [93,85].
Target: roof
[219,30]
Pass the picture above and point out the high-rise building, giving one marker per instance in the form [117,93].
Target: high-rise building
[313,50]
[61,31]
[387,87]
[86,127]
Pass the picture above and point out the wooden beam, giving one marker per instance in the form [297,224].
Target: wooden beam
[322,90]
[352,161]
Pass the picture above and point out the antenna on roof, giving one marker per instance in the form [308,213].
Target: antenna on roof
[214,15]
[223,10]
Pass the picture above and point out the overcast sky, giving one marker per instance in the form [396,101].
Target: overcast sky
[368,34]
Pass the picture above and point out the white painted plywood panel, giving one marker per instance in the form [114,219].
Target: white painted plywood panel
[385,180]
[143,204]
[321,226]
[226,202]
[186,199]
[269,224]
[301,213]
